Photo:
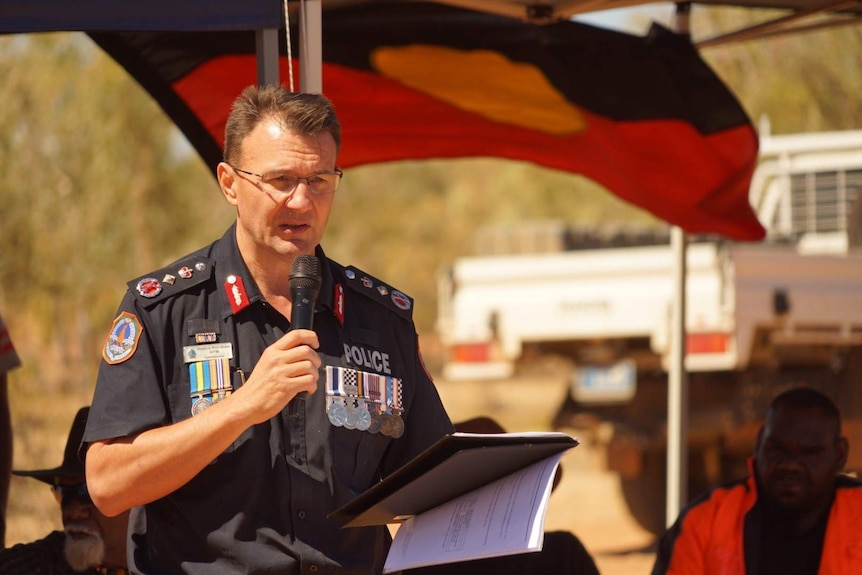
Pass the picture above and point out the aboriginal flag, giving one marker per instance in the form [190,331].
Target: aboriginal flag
[643,116]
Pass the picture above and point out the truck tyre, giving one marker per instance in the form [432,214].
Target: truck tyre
[645,495]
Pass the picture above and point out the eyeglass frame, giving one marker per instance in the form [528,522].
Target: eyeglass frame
[77,490]
[337,171]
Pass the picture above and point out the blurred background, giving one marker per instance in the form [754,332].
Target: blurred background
[98,187]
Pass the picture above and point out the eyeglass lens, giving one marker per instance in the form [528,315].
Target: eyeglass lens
[286,182]
[63,493]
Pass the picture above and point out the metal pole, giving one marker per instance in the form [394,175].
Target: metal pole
[677,396]
[311,46]
[266,45]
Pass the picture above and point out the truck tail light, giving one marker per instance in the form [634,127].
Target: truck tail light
[471,352]
[714,342]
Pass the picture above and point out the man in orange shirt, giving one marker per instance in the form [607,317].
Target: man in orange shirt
[794,515]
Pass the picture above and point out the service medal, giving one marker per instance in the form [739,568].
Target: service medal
[386,424]
[351,421]
[336,413]
[397,426]
[363,417]
[200,404]
[374,424]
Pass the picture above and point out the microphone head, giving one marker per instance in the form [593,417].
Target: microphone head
[305,273]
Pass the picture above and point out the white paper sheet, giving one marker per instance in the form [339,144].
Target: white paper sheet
[502,518]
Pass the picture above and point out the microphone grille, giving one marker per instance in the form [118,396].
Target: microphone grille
[305,272]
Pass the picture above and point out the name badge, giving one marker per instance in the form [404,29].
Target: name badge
[207,351]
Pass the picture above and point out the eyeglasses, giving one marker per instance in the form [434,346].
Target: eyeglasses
[78,491]
[281,183]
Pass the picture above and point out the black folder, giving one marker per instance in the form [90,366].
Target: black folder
[456,464]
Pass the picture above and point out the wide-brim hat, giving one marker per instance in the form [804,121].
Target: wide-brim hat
[72,468]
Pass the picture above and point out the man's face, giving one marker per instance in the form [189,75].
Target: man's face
[799,453]
[92,539]
[271,225]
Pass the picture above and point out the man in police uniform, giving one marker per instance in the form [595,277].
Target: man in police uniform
[231,435]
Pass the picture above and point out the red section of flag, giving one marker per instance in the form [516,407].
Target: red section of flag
[665,166]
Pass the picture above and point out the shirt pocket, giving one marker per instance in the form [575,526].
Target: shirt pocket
[362,336]
[357,457]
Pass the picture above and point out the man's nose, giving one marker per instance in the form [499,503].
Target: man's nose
[301,197]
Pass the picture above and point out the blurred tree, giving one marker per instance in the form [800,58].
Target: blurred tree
[96,190]
[803,83]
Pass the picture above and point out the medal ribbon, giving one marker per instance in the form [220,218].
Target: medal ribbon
[393,395]
[373,388]
[335,381]
[200,378]
[360,383]
[209,375]
[222,377]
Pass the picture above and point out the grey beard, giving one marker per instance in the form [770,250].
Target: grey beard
[81,554]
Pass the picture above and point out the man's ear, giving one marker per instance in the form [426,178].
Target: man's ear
[842,452]
[759,440]
[227,182]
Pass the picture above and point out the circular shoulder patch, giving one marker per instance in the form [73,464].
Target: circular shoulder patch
[123,338]
[401,300]
[150,287]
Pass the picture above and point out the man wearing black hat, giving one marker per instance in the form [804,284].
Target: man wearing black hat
[9,360]
[90,543]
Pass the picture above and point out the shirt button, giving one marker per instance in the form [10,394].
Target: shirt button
[301,515]
[313,568]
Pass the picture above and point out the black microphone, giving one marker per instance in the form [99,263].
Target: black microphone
[304,284]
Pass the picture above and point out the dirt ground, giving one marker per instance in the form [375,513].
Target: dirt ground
[588,501]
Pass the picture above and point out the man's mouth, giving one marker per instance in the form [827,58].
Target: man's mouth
[294,228]
[789,484]
[79,531]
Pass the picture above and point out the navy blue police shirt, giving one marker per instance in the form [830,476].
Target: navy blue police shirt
[262,505]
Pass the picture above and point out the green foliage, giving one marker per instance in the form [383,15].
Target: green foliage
[803,83]
[94,193]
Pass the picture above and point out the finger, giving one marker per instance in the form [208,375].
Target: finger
[299,355]
[304,380]
[307,384]
[298,337]
[299,367]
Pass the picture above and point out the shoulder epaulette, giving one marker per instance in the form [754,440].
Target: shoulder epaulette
[172,279]
[372,288]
